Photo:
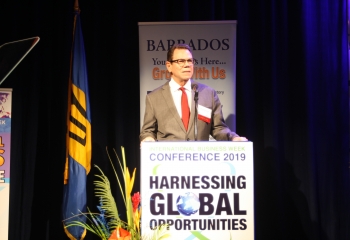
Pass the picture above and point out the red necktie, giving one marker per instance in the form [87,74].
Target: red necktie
[185,108]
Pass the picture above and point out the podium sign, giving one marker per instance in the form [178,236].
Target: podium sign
[202,190]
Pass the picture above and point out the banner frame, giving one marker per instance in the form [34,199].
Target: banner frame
[224,85]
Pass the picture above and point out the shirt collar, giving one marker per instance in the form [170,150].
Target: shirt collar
[174,86]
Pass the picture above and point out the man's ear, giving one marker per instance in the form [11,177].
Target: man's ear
[168,66]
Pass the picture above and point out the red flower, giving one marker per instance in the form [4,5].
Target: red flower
[120,234]
[135,201]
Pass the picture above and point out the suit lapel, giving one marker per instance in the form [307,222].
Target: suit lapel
[171,105]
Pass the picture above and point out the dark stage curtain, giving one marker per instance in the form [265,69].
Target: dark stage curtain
[292,102]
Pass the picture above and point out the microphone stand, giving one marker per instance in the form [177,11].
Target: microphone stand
[195,88]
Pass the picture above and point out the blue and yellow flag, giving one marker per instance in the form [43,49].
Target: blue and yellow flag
[78,154]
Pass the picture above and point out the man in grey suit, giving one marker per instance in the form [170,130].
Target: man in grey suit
[165,118]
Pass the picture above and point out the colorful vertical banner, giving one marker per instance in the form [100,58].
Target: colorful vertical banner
[78,159]
[5,146]
[213,45]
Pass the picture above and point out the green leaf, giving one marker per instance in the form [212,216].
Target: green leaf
[199,235]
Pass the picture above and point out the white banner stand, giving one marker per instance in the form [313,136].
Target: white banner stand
[213,45]
[11,54]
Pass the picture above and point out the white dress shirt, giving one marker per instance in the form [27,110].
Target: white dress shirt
[177,93]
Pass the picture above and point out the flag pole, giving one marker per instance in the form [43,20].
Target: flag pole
[76,5]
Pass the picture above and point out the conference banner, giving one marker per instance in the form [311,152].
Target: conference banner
[213,45]
[198,190]
[5,146]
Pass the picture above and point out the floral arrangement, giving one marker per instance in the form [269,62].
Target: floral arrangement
[107,224]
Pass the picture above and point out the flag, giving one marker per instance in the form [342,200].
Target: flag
[78,151]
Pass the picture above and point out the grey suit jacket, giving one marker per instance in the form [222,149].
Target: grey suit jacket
[163,123]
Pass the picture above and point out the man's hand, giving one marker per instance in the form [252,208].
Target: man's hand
[239,139]
[147,139]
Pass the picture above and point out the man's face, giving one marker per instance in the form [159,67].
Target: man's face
[181,74]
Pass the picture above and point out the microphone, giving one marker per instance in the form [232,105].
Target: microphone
[195,89]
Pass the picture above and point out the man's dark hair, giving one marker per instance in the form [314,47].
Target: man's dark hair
[170,54]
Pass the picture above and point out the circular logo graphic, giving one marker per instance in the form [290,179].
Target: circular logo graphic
[188,204]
